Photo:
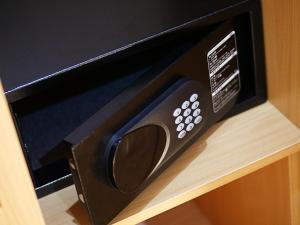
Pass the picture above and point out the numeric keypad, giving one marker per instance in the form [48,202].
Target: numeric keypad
[187,115]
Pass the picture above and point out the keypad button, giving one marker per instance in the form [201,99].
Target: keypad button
[193,97]
[177,112]
[187,112]
[188,119]
[190,127]
[178,120]
[180,127]
[182,134]
[195,105]
[196,112]
[185,104]
[198,119]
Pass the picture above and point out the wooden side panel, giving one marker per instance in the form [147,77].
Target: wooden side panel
[18,202]
[282,42]
[294,172]
[261,198]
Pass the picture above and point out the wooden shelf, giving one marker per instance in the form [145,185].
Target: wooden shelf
[229,150]
[188,213]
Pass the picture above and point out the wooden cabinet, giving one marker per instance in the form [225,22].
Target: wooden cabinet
[245,170]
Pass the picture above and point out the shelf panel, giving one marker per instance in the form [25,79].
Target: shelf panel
[229,150]
[190,213]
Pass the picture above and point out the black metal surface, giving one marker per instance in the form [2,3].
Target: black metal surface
[35,44]
[40,40]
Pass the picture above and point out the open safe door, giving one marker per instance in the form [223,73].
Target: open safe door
[123,147]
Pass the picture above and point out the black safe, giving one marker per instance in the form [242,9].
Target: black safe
[108,94]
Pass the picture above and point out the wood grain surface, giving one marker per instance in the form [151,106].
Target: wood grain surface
[18,202]
[282,43]
[260,198]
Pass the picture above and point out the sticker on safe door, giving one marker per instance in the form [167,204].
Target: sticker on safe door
[224,72]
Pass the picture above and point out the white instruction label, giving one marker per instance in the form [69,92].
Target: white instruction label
[224,72]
